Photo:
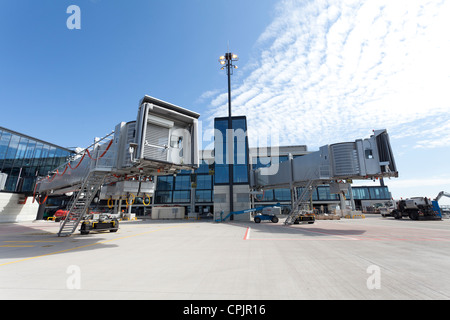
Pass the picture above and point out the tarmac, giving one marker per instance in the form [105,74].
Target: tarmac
[348,259]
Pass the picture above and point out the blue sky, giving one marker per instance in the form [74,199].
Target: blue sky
[310,72]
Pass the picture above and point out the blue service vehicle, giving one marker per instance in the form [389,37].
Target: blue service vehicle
[266,213]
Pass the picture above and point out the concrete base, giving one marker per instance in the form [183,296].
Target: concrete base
[17,208]
[241,201]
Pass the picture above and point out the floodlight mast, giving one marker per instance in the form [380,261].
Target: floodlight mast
[227,61]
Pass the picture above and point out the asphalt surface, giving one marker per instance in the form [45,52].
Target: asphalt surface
[372,258]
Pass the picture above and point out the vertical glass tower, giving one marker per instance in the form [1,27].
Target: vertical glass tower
[235,153]
[240,151]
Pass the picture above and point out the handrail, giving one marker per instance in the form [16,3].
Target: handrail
[67,163]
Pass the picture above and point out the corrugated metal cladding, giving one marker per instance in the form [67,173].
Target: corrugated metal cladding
[131,127]
[345,159]
[156,136]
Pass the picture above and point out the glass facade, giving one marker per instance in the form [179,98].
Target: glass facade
[322,193]
[25,158]
[177,189]
[240,151]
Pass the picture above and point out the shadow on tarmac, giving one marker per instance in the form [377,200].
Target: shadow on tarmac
[309,230]
[19,241]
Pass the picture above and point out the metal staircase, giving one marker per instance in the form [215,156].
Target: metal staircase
[300,206]
[81,202]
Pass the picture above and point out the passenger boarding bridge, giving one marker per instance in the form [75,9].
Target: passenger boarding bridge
[335,164]
[161,141]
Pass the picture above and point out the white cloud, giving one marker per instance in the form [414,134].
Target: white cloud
[330,71]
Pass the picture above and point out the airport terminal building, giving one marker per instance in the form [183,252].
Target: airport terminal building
[213,187]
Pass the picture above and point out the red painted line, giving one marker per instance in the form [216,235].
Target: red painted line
[247,234]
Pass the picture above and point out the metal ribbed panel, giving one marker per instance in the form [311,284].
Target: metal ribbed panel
[345,159]
[156,142]
[130,138]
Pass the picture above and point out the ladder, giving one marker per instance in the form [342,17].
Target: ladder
[81,202]
[300,205]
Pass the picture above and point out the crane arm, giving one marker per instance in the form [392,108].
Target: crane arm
[442,194]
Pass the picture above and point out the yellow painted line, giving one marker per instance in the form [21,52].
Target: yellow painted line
[33,241]
[15,246]
[87,245]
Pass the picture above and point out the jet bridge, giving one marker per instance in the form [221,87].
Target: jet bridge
[369,158]
[161,141]
[362,159]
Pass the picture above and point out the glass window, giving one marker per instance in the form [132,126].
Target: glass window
[29,153]
[282,194]
[240,174]
[203,167]
[240,153]
[239,124]
[58,158]
[163,197]
[51,156]
[203,196]
[11,152]
[379,193]
[375,193]
[44,155]
[4,142]
[314,194]
[360,193]
[204,181]
[165,183]
[182,182]
[221,173]
[37,154]
[267,196]
[181,196]
[20,154]
[28,184]
[324,194]
[222,126]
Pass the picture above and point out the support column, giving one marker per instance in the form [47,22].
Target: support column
[40,213]
[342,202]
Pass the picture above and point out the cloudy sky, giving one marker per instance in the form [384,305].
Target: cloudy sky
[331,71]
[311,72]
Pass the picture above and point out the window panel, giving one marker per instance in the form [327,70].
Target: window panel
[203,196]
[240,174]
[29,153]
[181,196]
[11,152]
[182,182]
[282,194]
[165,183]
[204,182]
[163,197]
[4,142]
[221,173]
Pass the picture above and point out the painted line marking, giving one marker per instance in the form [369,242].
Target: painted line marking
[247,234]
[15,246]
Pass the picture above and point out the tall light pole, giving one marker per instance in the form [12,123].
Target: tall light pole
[227,61]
